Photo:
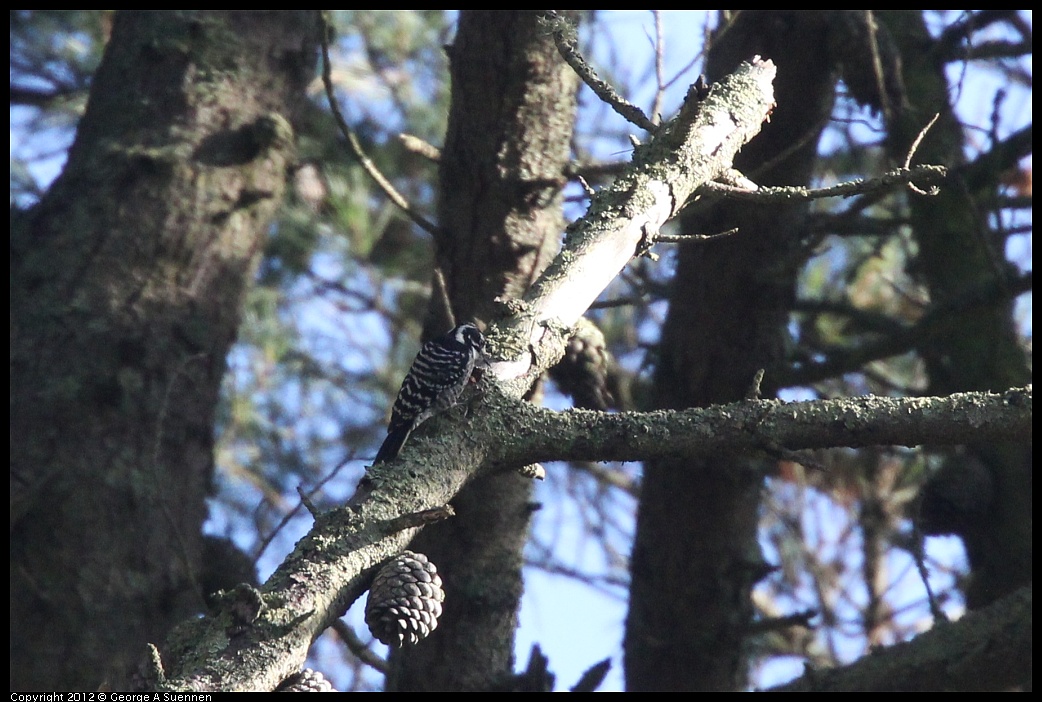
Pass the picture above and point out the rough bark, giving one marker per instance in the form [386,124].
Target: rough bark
[126,283]
[948,657]
[695,556]
[513,103]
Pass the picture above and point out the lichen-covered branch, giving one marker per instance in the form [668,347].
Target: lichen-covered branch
[624,218]
[537,434]
[949,657]
[332,565]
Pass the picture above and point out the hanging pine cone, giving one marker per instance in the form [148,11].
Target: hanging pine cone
[583,372]
[405,600]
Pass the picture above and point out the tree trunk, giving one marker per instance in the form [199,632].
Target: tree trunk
[984,497]
[127,282]
[513,103]
[695,555]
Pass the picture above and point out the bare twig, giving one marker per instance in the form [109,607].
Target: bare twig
[877,65]
[305,501]
[564,36]
[688,238]
[660,92]
[419,519]
[617,302]
[358,647]
[416,145]
[911,152]
[801,619]
[897,176]
[918,555]
[441,289]
[356,146]
[585,186]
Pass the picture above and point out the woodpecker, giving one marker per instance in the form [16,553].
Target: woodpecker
[433,384]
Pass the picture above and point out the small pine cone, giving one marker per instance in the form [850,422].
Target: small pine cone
[583,372]
[405,600]
[957,497]
[307,680]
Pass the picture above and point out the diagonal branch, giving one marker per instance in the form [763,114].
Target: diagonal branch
[624,218]
[951,657]
[333,564]
[919,175]
[564,36]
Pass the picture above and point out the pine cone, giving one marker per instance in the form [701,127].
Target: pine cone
[583,372]
[307,680]
[405,600]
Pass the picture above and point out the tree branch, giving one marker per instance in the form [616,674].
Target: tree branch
[565,38]
[949,657]
[847,360]
[537,434]
[333,565]
[355,145]
[921,175]
[624,218]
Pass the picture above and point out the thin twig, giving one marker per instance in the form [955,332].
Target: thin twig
[801,619]
[917,550]
[617,302]
[565,38]
[660,92]
[305,502]
[418,519]
[441,289]
[356,147]
[359,648]
[305,499]
[585,186]
[897,176]
[877,65]
[416,145]
[911,152]
[688,238]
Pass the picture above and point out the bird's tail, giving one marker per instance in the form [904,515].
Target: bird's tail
[392,444]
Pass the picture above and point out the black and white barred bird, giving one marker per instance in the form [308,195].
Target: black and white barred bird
[433,384]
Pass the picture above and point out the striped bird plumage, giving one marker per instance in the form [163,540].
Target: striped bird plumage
[433,384]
